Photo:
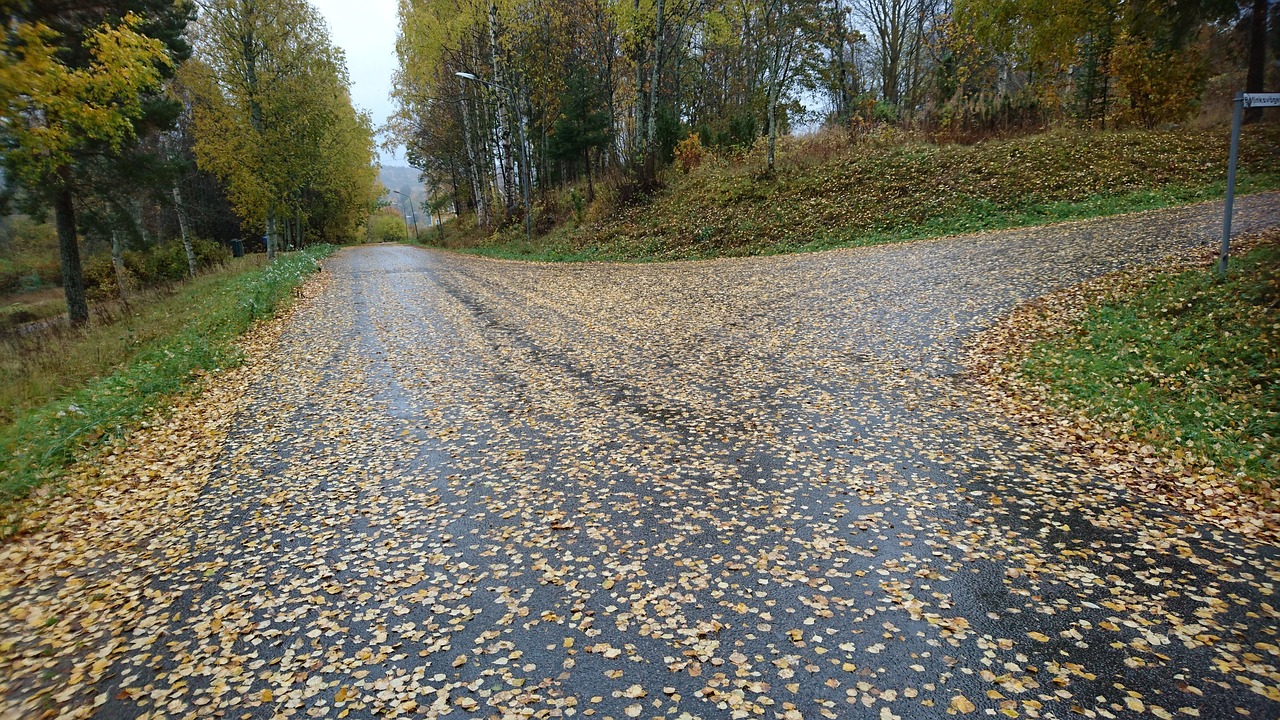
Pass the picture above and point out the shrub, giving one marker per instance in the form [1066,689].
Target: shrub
[31,255]
[31,281]
[689,153]
[99,277]
[157,265]
[209,253]
[1158,87]
[579,204]
[386,226]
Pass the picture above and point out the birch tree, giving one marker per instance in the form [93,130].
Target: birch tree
[268,89]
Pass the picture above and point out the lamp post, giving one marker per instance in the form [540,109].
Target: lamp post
[413,216]
[524,159]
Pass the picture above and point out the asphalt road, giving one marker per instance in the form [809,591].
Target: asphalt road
[739,488]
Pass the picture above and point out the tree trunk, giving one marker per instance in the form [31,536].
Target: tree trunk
[781,68]
[477,195]
[1257,56]
[117,265]
[506,157]
[842,97]
[652,131]
[182,228]
[453,176]
[639,130]
[69,251]
[773,125]
[139,226]
[271,235]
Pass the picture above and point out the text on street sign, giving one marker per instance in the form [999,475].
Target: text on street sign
[1258,100]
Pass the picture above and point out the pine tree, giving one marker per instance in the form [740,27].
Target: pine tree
[77,82]
[583,125]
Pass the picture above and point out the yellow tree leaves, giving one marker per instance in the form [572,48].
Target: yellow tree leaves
[1069,46]
[48,109]
[1157,86]
[273,116]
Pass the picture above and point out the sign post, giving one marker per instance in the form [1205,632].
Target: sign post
[1242,101]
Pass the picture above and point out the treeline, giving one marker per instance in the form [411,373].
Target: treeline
[209,118]
[577,88]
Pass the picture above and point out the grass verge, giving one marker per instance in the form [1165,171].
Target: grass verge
[184,336]
[22,308]
[864,194]
[1184,361]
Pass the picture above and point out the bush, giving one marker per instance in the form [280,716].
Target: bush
[168,262]
[689,153]
[31,255]
[386,226]
[209,253]
[579,204]
[31,282]
[99,277]
[1157,87]
[157,265]
[23,277]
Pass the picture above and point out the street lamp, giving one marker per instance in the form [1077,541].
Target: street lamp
[524,160]
[412,215]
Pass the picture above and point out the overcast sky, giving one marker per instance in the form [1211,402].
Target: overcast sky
[366,31]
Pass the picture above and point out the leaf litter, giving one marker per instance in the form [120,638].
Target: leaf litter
[450,486]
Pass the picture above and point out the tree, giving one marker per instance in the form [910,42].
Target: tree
[273,118]
[837,76]
[788,25]
[69,93]
[1070,49]
[897,31]
[583,125]
[1256,76]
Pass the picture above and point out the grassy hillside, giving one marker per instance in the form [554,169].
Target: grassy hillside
[833,193]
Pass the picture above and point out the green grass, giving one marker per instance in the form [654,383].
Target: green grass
[19,309]
[1188,362]
[76,390]
[851,195]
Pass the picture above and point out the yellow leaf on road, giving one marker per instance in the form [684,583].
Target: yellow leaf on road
[961,703]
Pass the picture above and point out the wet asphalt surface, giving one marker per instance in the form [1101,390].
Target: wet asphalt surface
[736,488]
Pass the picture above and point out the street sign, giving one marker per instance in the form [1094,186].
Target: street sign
[1242,101]
[1261,100]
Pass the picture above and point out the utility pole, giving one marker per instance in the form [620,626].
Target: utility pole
[412,215]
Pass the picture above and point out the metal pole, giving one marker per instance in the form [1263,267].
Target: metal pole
[1236,116]
[409,201]
[525,178]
